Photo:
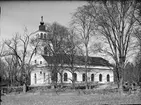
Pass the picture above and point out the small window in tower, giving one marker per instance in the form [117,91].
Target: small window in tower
[44,36]
[41,36]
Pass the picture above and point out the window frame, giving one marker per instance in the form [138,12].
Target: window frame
[92,77]
[100,77]
[41,35]
[108,78]
[65,77]
[45,36]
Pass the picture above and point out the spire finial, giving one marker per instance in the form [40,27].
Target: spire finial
[41,18]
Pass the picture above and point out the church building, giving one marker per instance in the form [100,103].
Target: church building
[98,70]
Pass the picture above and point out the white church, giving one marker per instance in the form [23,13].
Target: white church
[99,69]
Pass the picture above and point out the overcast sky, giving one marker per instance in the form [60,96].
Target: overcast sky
[16,15]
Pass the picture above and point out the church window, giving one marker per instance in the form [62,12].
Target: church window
[65,76]
[40,62]
[40,72]
[100,77]
[83,77]
[92,77]
[35,61]
[108,78]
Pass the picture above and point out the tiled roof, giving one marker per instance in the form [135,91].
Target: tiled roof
[78,60]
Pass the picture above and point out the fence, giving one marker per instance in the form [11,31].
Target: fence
[13,89]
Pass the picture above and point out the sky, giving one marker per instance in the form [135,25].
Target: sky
[16,15]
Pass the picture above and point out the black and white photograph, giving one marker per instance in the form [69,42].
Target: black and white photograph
[70,52]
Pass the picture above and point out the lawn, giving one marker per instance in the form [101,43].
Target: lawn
[69,99]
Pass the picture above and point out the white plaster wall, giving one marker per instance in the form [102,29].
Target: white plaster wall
[96,76]
[96,72]
[38,58]
[40,80]
[104,75]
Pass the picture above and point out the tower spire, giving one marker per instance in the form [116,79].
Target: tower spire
[42,22]
[42,26]
[41,18]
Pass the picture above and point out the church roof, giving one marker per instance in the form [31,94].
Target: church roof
[77,60]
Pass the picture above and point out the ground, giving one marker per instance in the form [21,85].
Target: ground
[70,99]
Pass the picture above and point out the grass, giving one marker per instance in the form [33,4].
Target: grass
[69,99]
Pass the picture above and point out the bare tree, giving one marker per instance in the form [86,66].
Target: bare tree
[3,73]
[18,48]
[137,34]
[116,22]
[84,27]
[71,53]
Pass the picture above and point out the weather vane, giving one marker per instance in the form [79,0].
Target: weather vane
[41,18]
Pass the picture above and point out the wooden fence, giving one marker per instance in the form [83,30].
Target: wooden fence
[13,89]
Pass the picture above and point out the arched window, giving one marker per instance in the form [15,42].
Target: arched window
[35,79]
[75,76]
[100,77]
[65,76]
[40,62]
[44,36]
[92,77]
[83,77]
[41,35]
[108,78]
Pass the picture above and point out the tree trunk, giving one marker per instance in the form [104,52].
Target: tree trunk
[121,86]
[61,79]
[121,70]
[86,60]
[73,81]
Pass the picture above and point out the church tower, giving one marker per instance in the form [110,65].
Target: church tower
[43,35]
[42,32]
